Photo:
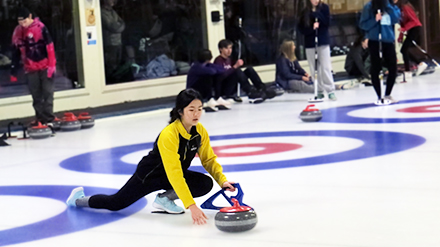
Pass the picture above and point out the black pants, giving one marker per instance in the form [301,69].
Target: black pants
[198,183]
[390,62]
[205,86]
[412,35]
[227,85]
[41,89]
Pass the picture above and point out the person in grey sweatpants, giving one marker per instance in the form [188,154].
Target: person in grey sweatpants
[315,21]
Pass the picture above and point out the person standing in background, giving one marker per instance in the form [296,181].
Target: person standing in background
[378,19]
[32,42]
[315,20]
[112,28]
[412,27]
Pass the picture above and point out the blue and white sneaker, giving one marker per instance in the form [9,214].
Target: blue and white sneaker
[167,205]
[76,194]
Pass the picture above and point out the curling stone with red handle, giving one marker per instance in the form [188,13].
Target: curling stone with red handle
[310,114]
[39,132]
[236,218]
[86,120]
[70,122]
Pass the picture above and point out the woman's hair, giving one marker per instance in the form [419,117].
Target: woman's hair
[183,99]
[402,3]
[305,14]
[359,40]
[204,55]
[286,50]
[379,4]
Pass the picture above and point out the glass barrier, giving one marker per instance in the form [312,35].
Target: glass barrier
[58,18]
[266,23]
[150,39]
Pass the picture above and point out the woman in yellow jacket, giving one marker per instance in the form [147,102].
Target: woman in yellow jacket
[166,166]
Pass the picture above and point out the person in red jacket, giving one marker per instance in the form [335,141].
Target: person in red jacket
[411,25]
[32,42]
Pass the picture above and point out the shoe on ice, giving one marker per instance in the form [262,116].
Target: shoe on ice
[391,99]
[74,195]
[223,104]
[256,97]
[210,106]
[167,205]
[421,68]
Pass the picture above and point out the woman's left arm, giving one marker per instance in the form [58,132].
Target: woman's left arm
[208,157]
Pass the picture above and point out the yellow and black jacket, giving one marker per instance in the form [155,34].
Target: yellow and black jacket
[172,154]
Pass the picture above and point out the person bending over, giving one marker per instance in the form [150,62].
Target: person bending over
[166,166]
[357,62]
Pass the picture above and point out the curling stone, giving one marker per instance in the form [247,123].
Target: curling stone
[236,218]
[70,122]
[39,132]
[86,120]
[56,124]
[310,114]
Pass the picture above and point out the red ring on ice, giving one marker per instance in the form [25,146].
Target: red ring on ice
[421,109]
[264,148]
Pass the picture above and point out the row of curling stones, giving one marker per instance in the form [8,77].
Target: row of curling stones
[310,114]
[238,218]
[70,122]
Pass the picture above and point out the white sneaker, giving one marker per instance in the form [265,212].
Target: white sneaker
[382,102]
[420,68]
[223,104]
[391,99]
[211,105]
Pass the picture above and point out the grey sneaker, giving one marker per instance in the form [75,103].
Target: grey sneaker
[167,205]
[332,96]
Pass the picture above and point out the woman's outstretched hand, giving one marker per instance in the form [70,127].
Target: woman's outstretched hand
[199,218]
[228,186]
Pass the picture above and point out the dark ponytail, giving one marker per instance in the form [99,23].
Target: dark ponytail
[183,99]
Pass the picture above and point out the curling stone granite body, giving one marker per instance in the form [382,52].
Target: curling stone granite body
[236,218]
[310,114]
[39,132]
[86,121]
[70,122]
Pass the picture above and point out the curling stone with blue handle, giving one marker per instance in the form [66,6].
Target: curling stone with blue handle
[86,120]
[310,114]
[70,122]
[236,218]
[39,132]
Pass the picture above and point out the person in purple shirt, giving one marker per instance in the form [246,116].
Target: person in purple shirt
[201,77]
[257,93]
[289,74]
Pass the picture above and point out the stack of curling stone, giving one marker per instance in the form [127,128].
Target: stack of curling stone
[310,114]
[86,120]
[39,132]
[70,122]
[236,218]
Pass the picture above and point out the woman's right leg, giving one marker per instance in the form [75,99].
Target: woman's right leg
[132,191]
